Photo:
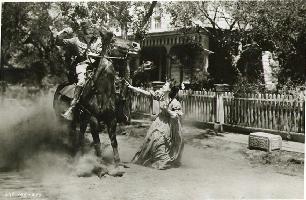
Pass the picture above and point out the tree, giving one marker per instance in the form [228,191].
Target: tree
[277,26]
[280,27]
[27,37]
[143,12]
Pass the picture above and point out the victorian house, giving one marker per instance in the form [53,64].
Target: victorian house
[177,53]
[181,54]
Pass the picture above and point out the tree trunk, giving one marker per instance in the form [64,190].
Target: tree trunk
[124,30]
[145,20]
[148,15]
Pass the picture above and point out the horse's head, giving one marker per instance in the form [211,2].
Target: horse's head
[142,73]
[122,48]
[117,47]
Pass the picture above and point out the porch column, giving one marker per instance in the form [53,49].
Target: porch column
[127,74]
[160,66]
[205,46]
[205,61]
[168,62]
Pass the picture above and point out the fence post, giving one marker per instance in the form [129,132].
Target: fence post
[155,107]
[3,87]
[219,120]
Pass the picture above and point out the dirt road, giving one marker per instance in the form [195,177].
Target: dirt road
[212,168]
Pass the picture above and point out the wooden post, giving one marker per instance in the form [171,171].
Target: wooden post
[219,120]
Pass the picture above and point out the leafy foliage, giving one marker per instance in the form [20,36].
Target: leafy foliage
[28,28]
[277,26]
[26,37]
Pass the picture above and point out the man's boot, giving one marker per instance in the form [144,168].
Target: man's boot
[68,115]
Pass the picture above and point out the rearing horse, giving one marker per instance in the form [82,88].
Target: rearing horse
[98,100]
[97,103]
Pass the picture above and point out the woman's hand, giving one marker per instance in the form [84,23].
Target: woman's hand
[127,84]
[137,89]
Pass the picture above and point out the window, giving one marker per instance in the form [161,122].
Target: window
[157,23]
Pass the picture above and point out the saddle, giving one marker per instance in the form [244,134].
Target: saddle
[68,91]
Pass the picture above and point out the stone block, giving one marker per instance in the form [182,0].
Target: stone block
[265,141]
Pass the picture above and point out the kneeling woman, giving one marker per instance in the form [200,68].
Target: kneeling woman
[163,144]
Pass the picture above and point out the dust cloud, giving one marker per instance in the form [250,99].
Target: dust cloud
[33,141]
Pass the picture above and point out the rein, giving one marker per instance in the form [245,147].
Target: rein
[113,57]
[118,58]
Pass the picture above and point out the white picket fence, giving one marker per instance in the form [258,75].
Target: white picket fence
[141,103]
[284,113]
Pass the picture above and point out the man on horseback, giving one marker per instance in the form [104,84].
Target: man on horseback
[99,104]
[83,48]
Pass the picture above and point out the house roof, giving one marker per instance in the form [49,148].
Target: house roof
[191,35]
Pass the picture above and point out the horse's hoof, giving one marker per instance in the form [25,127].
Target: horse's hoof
[123,165]
[116,172]
[123,133]
[84,174]
[101,174]
[100,171]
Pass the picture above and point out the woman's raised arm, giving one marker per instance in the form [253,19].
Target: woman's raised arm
[138,89]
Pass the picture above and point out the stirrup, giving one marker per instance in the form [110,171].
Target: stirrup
[68,115]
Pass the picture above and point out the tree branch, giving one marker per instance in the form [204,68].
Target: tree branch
[145,20]
[206,15]
[148,15]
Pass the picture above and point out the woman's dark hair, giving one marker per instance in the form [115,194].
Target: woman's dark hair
[173,92]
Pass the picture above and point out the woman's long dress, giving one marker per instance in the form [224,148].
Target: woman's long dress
[163,143]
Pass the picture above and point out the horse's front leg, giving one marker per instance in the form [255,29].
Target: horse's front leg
[94,129]
[72,135]
[111,129]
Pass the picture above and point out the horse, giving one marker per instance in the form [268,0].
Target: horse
[98,100]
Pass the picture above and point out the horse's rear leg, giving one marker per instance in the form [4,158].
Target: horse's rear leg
[83,126]
[94,126]
[111,129]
